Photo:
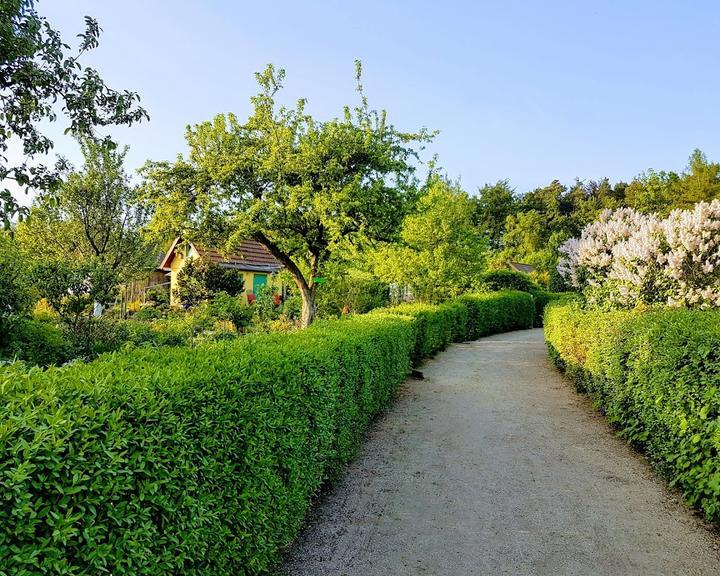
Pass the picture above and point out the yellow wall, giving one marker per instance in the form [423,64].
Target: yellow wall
[179,261]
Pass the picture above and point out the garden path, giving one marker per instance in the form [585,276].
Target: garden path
[493,464]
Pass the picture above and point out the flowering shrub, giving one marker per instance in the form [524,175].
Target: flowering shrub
[692,257]
[627,258]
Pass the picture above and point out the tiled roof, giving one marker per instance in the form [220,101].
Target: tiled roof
[250,255]
[520,267]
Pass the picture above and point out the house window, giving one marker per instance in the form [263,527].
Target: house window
[259,280]
[187,249]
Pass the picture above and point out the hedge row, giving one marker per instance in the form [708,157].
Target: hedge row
[543,299]
[466,318]
[203,461]
[656,375]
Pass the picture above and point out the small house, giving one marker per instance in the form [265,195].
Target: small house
[520,267]
[253,259]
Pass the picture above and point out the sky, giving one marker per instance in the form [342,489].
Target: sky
[530,91]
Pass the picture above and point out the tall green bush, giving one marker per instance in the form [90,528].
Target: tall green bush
[656,376]
[508,280]
[498,312]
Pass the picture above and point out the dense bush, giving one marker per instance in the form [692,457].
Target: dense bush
[543,298]
[656,375]
[37,343]
[203,461]
[497,312]
[200,279]
[465,318]
[186,461]
[511,280]
[508,280]
[627,258]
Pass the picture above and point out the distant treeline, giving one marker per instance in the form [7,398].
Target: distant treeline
[530,227]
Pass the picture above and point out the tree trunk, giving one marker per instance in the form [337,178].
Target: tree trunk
[306,287]
[308,303]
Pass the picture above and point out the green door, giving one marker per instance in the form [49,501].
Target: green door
[258,281]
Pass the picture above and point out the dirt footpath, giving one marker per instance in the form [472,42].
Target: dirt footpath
[494,465]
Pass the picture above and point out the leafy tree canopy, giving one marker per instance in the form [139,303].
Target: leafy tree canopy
[93,222]
[493,205]
[38,74]
[441,252]
[304,188]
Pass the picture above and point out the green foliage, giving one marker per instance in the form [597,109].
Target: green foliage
[93,223]
[351,291]
[304,188]
[497,312]
[37,343]
[662,191]
[536,223]
[231,308]
[543,299]
[493,205]
[204,460]
[511,280]
[150,312]
[200,279]
[63,283]
[39,78]
[507,280]
[199,461]
[15,293]
[435,326]
[442,251]
[185,328]
[656,376]
[466,318]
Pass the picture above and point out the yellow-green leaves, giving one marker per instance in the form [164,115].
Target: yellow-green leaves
[656,375]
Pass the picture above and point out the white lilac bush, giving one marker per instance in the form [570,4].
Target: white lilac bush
[692,255]
[626,258]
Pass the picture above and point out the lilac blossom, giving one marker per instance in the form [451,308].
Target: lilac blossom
[627,258]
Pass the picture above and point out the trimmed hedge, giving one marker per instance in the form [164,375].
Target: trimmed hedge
[542,299]
[466,318]
[508,280]
[656,375]
[497,312]
[203,461]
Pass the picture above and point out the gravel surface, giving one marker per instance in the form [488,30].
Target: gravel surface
[493,464]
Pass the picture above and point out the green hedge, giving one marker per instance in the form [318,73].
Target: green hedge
[203,461]
[37,343]
[497,312]
[466,318]
[656,375]
[434,326]
[543,298]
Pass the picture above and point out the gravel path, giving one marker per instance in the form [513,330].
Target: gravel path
[494,465]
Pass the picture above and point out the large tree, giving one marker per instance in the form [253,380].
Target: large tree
[494,204]
[303,188]
[441,252]
[93,223]
[39,76]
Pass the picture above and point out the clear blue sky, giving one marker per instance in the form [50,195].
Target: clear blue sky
[529,91]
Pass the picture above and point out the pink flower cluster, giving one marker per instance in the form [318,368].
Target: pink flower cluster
[627,258]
